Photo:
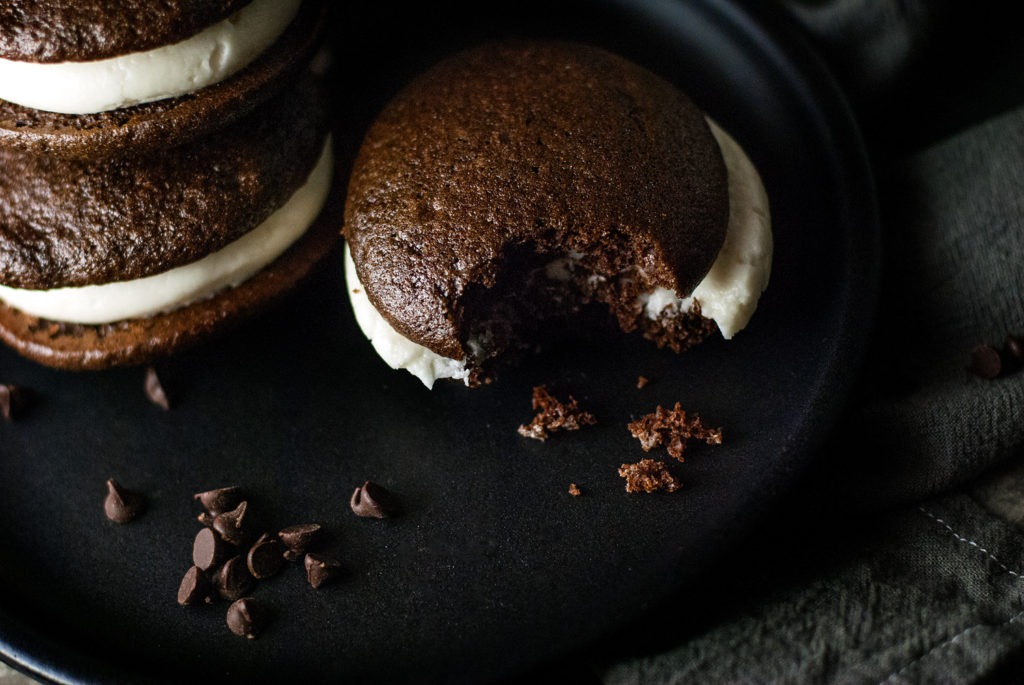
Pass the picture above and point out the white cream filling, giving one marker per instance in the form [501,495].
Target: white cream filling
[396,350]
[229,266]
[728,294]
[206,58]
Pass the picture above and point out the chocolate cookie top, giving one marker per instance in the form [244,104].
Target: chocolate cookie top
[86,30]
[555,146]
[77,222]
[172,121]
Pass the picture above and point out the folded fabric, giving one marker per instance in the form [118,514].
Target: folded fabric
[953,232]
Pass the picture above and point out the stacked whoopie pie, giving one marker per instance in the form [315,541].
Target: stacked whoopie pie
[165,169]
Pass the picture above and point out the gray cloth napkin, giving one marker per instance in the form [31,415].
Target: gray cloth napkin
[900,558]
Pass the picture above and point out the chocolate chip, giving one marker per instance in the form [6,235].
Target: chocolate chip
[195,587]
[233,580]
[206,519]
[321,570]
[265,558]
[13,400]
[221,499]
[373,500]
[155,391]
[231,524]
[209,551]
[1014,349]
[986,362]
[299,539]
[247,617]
[121,505]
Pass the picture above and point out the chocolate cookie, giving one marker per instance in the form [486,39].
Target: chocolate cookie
[137,341]
[503,159]
[78,222]
[173,121]
[76,31]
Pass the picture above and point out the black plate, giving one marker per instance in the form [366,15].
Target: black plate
[494,567]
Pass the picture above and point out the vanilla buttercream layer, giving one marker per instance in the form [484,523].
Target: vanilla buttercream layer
[396,350]
[228,267]
[728,294]
[205,59]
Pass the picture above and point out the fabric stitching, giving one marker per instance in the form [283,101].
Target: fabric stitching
[948,643]
[898,674]
[972,543]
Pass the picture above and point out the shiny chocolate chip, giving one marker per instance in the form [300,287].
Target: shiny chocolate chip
[373,500]
[209,551]
[1014,348]
[13,400]
[155,390]
[221,499]
[233,580]
[321,570]
[121,505]
[231,524]
[195,587]
[300,539]
[247,617]
[986,362]
[265,558]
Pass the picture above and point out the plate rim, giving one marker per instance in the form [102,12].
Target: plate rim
[42,658]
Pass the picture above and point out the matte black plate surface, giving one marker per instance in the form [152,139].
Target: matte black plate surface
[493,567]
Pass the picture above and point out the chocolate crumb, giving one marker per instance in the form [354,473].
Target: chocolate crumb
[648,475]
[120,505]
[372,500]
[672,429]
[247,617]
[13,400]
[221,499]
[300,539]
[985,362]
[641,382]
[195,587]
[231,524]
[574,490]
[265,558]
[233,580]
[155,390]
[321,570]
[554,415]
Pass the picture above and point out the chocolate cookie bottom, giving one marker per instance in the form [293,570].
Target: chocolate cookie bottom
[78,347]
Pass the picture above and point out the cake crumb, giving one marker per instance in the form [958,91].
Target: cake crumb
[574,490]
[641,382]
[554,415]
[672,428]
[648,475]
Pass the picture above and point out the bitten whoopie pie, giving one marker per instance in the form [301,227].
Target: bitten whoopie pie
[515,181]
[132,232]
